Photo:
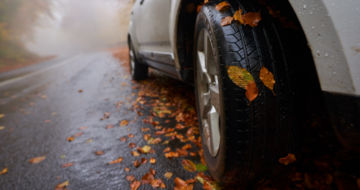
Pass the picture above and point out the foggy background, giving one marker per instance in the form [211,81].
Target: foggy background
[73,26]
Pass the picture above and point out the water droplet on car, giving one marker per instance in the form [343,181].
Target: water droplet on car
[313,27]
[311,13]
[326,55]
[305,6]
[334,73]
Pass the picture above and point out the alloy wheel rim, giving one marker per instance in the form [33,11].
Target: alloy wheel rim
[132,63]
[208,93]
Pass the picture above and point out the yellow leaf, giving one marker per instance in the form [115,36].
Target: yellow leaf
[238,16]
[267,78]
[64,184]
[146,148]
[135,153]
[223,6]
[2,115]
[124,123]
[4,171]
[37,159]
[226,21]
[242,78]
[168,175]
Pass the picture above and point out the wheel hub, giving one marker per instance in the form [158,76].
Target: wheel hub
[208,93]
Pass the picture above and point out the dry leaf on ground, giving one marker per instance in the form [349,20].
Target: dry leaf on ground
[119,160]
[180,183]
[267,78]
[189,165]
[143,160]
[172,155]
[135,185]
[156,183]
[132,145]
[124,123]
[83,128]
[37,159]
[4,171]
[145,129]
[127,169]
[109,126]
[67,165]
[147,137]
[152,160]
[147,178]
[70,139]
[99,152]
[168,175]
[78,134]
[223,6]
[62,185]
[123,139]
[154,141]
[89,141]
[290,158]
[136,163]
[130,135]
[135,153]
[168,149]
[130,178]
[146,148]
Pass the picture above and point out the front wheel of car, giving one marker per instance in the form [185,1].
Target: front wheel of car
[243,136]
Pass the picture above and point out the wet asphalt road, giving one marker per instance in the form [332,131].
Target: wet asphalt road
[53,95]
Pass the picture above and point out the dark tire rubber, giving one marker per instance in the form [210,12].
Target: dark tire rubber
[140,71]
[254,136]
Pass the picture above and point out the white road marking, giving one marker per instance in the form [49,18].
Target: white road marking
[37,72]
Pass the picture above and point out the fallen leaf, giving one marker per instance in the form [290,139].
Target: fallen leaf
[130,135]
[135,185]
[166,142]
[62,156]
[130,178]
[2,115]
[123,139]
[139,113]
[273,12]
[67,165]
[89,141]
[135,153]
[99,152]
[145,129]
[192,154]
[179,126]
[190,181]
[53,113]
[238,16]
[152,160]
[180,183]
[168,175]
[167,121]
[2,127]
[189,165]
[124,123]
[147,137]
[288,24]
[252,19]
[163,186]
[83,128]
[168,149]
[62,185]
[198,8]
[78,134]
[4,171]
[132,145]
[160,132]
[119,160]
[226,21]
[187,147]
[70,139]
[136,163]
[143,160]
[37,159]
[242,78]
[109,126]
[127,169]
[223,6]
[146,148]
[182,152]
[152,171]
[156,183]
[290,158]
[201,167]
[147,178]
[154,141]
[172,155]
[47,121]
[158,127]
[80,91]
[267,78]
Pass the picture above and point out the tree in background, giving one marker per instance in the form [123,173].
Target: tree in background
[17,20]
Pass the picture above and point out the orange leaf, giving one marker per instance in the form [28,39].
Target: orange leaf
[37,159]
[67,165]
[252,19]
[167,149]
[124,123]
[179,126]
[147,178]
[135,185]
[70,139]
[189,165]
[187,147]
[78,134]
[99,152]
[274,13]
[146,137]
[267,78]
[4,171]
[290,158]
[109,126]
[168,175]
[251,91]
[288,24]
[123,139]
[132,145]
[152,171]
[238,16]
[136,163]
[119,160]
[226,21]
[182,152]
[130,135]
[152,160]
[145,129]
[83,128]
[130,178]
[144,160]
[180,183]
[156,183]
[192,154]
[223,6]
[172,155]
[135,153]
[127,169]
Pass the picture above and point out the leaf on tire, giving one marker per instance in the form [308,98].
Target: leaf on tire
[238,16]
[267,78]
[226,21]
[273,12]
[252,19]
[242,78]
[290,158]
[288,24]
[223,6]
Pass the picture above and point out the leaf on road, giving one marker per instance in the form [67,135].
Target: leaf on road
[201,167]
[135,185]
[172,155]
[4,171]
[180,184]
[143,160]
[290,158]
[130,178]
[132,145]
[252,19]
[168,175]
[154,141]
[152,160]
[119,160]
[190,181]
[160,132]
[226,21]
[123,139]
[267,78]
[109,126]
[135,153]
[89,141]
[2,127]
[187,147]
[130,135]
[127,169]
[124,123]
[2,115]
[136,163]
[167,121]
[62,185]
[78,134]
[147,137]
[37,159]
[242,78]
[168,149]
[156,183]
[70,139]
[189,165]
[83,128]
[182,152]
[223,6]
[67,165]
[152,171]
[146,148]
[147,178]
[99,152]
[145,129]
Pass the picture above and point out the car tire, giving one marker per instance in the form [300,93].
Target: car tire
[253,135]
[138,70]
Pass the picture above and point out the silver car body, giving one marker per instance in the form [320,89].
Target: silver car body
[331,27]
